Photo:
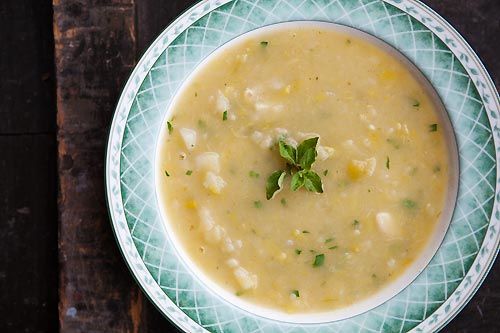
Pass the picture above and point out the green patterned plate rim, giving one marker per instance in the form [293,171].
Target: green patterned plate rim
[468,93]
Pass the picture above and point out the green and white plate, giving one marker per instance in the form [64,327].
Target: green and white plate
[471,100]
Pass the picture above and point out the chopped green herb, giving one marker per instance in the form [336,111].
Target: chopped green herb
[257,204]
[328,240]
[348,41]
[202,124]
[436,169]
[167,174]
[189,172]
[253,174]
[296,293]
[388,163]
[394,143]
[312,251]
[195,94]
[264,43]
[170,127]
[239,293]
[305,232]
[224,115]
[408,203]
[355,224]
[415,103]
[413,171]
[433,128]
[319,260]
[298,251]
[325,172]
[374,276]
[283,201]
[333,247]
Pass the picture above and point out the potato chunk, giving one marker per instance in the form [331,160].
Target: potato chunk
[214,183]
[387,224]
[189,137]
[357,169]
[208,161]
[223,103]
[246,279]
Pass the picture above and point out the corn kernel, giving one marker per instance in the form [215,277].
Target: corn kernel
[388,75]
[191,204]
[356,169]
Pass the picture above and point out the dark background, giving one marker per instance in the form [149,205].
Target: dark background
[62,66]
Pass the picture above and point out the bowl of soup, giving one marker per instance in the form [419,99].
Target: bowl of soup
[324,167]
[370,204]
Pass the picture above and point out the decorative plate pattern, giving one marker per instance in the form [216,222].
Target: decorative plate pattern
[472,241]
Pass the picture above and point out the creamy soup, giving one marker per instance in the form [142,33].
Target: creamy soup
[303,168]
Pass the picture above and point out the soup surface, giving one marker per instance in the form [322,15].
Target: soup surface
[355,208]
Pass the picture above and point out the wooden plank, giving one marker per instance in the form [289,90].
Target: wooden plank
[28,223]
[94,52]
[28,233]
[26,65]
[97,43]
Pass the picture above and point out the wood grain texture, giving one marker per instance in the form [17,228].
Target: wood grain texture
[94,52]
[28,213]
[97,45]
[26,65]
[28,234]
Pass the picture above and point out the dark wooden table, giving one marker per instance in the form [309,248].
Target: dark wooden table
[60,268]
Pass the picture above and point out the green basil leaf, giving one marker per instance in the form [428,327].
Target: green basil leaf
[274,183]
[306,152]
[308,158]
[297,181]
[288,152]
[312,182]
